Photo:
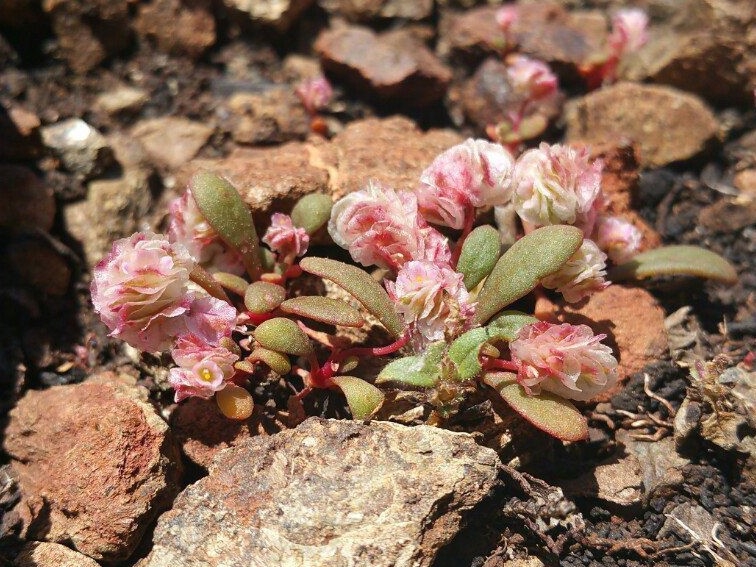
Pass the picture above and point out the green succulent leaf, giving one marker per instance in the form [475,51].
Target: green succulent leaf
[480,251]
[323,309]
[465,350]
[363,398]
[205,280]
[312,211]
[283,335]
[277,362]
[263,297]
[676,260]
[364,288]
[421,371]
[231,282]
[546,411]
[521,268]
[509,323]
[226,212]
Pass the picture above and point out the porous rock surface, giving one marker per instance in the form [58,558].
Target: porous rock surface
[95,465]
[45,554]
[335,493]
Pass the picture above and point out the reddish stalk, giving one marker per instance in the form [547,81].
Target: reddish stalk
[500,364]
[466,230]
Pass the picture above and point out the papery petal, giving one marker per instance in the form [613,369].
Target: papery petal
[583,274]
[619,238]
[284,238]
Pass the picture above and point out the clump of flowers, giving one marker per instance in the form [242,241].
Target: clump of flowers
[222,304]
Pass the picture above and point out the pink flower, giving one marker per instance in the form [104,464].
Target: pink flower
[382,227]
[532,80]
[619,238]
[203,368]
[555,185]
[285,239]
[629,31]
[315,93]
[210,318]
[475,173]
[188,227]
[432,300]
[567,360]
[140,290]
[583,274]
[506,16]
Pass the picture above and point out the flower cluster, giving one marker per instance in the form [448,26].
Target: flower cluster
[285,239]
[315,93]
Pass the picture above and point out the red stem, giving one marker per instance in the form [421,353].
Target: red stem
[499,364]
[467,228]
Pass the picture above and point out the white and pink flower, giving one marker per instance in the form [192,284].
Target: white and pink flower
[382,227]
[189,228]
[583,274]
[209,318]
[506,16]
[476,173]
[140,290]
[532,80]
[568,360]
[285,239]
[315,93]
[432,300]
[629,31]
[555,185]
[203,368]
[619,238]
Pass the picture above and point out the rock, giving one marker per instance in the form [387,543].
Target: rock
[633,321]
[99,438]
[44,554]
[114,208]
[279,14]
[471,35]
[617,481]
[202,431]
[39,262]
[745,182]
[690,521]
[728,215]
[329,492]
[668,125]
[171,141]
[661,465]
[89,31]
[27,202]
[80,147]
[361,10]
[391,67]
[483,97]
[121,99]
[393,151]
[182,27]
[19,133]
[273,116]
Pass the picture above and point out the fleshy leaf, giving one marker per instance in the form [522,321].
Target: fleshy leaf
[363,398]
[509,323]
[530,259]
[205,280]
[546,411]
[676,260]
[422,371]
[364,288]
[480,252]
[277,362]
[231,282]
[263,297]
[323,309]
[225,211]
[465,350]
[312,211]
[283,335]
[235,402]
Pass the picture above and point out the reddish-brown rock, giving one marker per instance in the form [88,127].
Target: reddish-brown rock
[19,133]
[279,14]
[27,202]
[472,34]
[391,67]
[45,554]
[275,115]
[362,10]
[95,464]
[178,26]
[171,141]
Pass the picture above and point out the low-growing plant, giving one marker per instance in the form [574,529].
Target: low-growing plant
[221,303]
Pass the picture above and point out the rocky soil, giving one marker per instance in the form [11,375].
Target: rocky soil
[106,109]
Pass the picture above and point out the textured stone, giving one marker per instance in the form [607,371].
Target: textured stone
[391,67]
[279,14]
[19,133]
[171,141]
[661,464]
[668,125]
[27,201]
[44,554]
[618,481]
[185,27]
[121,99]
[471,35]
[80,147]
[328,493]
[95,464]
[37,259]
[361,10]
[275,115]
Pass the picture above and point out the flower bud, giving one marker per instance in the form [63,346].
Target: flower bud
[202,368]
[619,238]
[629,31]
[583,274]
[315,93]
[285,239]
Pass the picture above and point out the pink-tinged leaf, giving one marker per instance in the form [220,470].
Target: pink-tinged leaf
[277,362]
[421,371]
[323,309]
[676,260]
[364,288]
[224,210]
[312,212]
[521,268]
[480,252]
[235,402]
[363,398]
[283,335]
[205,280]
[231,282]
[546,411]
[263,297]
